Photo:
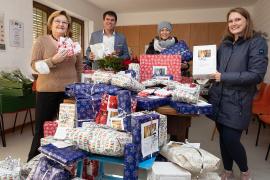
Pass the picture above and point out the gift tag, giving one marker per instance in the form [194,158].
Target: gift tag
[61,144]
[61,133]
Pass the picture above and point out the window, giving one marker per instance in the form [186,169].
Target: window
[40,17]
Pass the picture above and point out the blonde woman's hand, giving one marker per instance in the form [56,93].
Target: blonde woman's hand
[216,76]
[60,56]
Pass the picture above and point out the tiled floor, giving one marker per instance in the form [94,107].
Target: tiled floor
[200,131]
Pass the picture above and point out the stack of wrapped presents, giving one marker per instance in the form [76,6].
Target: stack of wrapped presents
[113,115]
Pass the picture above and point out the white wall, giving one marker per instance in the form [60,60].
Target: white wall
[22,10]
[180,16]
[261,19]
[13,57]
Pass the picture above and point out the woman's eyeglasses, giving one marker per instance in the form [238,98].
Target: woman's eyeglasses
[59,22]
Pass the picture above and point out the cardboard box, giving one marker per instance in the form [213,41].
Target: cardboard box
[168,171]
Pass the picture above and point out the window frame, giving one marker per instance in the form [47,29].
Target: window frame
[50,10]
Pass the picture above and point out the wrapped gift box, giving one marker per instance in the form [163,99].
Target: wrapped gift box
[130,162]
[90,169]
[151,102]
[49,128]
[124,81]
[88,108]
[10,169]
[162,129]
[160,65]
[185,108]
[145,133]
[180,48]
[99,139]
[135,67]
[66,156]
[64,43]
[48,169]
[67,115]
[108,103]
[82,90]
[167,170]
[29,166]
[188,93]
[124,108]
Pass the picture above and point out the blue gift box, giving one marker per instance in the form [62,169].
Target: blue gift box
[130,162]
[146,103]
[179,48]
[48,169]
[82,90]
[137,119]
[66,156]
[88,108]
[124,107]
[185,108]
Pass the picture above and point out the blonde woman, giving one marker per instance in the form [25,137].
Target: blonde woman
[55,70]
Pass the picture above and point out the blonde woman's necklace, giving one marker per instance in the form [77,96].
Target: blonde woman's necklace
[54,37]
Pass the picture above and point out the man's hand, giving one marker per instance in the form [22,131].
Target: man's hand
[92,56]
[216,76]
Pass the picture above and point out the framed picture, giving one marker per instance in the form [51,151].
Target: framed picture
[159,70]
[204,61]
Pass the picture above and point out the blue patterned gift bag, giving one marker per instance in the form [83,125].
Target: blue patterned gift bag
[124,108]
[130,162]
[48,169]
[179,48]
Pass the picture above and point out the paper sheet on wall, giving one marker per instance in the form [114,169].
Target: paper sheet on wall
[16,33]
[2,32]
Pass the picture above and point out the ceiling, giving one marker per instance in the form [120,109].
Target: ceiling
[124,6]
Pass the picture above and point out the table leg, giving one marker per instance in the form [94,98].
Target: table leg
[178,127]
[14,125]
[24,120]
[31,121]
[2,131]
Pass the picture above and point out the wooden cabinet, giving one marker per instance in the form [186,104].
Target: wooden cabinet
[193,34]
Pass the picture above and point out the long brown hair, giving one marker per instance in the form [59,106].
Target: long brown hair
[55,14]
[249,30]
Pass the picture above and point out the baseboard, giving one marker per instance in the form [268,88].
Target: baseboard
[19,127]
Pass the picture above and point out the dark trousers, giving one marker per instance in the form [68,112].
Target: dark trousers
[231,148]
[47,108]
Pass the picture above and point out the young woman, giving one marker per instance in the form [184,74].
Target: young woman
[241,65]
